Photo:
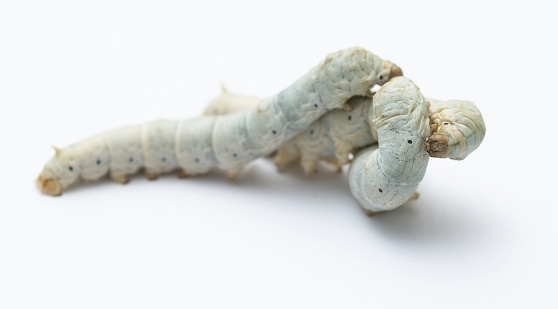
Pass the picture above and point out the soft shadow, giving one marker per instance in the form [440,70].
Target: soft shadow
[255,176]
[430,221]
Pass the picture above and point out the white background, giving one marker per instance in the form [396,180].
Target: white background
[483,233]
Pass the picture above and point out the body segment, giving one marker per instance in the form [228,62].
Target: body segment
[457,129]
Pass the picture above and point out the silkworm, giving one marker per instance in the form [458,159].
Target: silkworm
[457,129]
[227,142]
[331,138]
[385,176]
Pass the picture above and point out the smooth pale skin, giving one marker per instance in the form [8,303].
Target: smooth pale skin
[457,129]
[227,142]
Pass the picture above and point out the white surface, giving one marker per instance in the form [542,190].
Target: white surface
[483,233]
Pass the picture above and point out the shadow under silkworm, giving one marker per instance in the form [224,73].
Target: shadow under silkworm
[435,219]
[254,176]
[258,176]
[431,221]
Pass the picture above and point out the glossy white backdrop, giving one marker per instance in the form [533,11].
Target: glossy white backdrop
[482,234]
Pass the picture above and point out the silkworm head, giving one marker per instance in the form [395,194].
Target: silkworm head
[458,127]
[59,172]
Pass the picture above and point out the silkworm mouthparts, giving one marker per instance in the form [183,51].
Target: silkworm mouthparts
[437,146]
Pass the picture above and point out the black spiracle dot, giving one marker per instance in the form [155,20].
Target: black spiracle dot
[164,159]
[381,77]
[315,105]
[235,155]
[350,118]
[274,132]
[131,159]
[410,141]
[311,131]
[71,168]
[380,190]
[197,160]
[98,162]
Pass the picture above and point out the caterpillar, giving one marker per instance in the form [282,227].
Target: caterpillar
[331,138]
[228,142]
[457,129]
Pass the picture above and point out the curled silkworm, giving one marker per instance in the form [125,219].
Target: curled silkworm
[457,128]
[228,142]
[385,176]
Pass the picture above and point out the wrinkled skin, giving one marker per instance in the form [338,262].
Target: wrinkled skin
[457,129]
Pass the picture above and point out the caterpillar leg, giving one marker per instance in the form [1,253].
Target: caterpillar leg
[413,197]
[338,166]
[342,151]
[151,175]
[123,179]
[308,162]
[232,174]
[183,174]
[286,154]
[369,212]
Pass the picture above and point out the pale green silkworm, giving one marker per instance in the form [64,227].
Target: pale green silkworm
[195,146]
[457,129]
[331,138]
[407,129]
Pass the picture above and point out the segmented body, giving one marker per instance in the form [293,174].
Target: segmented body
[457,129]
[330,138]
[227,142]
[386,176]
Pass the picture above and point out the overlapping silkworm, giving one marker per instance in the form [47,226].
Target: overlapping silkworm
[400,129]
[457,129]
[331,138]
[386,176]
[195,146]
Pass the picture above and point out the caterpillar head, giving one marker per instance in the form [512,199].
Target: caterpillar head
[59,172]
[457,129]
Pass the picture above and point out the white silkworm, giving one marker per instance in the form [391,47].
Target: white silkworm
[386,176]
[331,138]
[457,129]
[227,142]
